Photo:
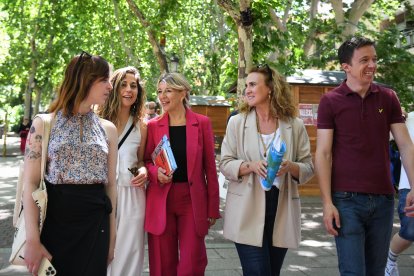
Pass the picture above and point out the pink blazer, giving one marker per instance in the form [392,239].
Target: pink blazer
[201,173]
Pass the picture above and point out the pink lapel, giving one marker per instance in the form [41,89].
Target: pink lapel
[192,125]
[162,128]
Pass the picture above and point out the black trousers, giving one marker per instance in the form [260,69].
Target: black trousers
[76,229]
[266,260]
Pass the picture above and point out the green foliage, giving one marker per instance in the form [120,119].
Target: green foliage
[396,66]
[198,31]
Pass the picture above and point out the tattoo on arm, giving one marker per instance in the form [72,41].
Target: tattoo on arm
[33,149]
[33,154]
[31,131]
[38,138]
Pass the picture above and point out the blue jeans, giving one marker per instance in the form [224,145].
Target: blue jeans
[364,237]
[407,223]
[265,260]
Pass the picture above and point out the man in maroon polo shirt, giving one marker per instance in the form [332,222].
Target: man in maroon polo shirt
[352,161]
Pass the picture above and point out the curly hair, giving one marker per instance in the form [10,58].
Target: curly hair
[281,100]
[112,106]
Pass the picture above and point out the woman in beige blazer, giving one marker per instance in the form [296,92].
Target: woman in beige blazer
[263,224]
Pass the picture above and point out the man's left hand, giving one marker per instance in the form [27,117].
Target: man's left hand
[409,204]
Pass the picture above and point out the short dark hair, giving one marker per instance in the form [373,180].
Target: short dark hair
[346,50]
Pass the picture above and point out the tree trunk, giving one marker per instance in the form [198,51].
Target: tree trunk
[242,17]
[358,8]
[245,55]
[28,93]
[33,69]
[130,56]
[350,24]
[36,106]
[6,129]
[280,24]
[307,47]
[36,88]
[338,9]
[156,49]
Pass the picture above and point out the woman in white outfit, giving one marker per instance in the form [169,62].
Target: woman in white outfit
[125,108]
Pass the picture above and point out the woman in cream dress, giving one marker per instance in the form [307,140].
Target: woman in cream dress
[125,109]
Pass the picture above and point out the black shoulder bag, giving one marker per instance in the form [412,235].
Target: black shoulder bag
[125,136]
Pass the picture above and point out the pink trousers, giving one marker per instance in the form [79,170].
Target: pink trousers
[179,250]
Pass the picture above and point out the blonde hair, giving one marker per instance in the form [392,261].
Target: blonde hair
[113,105]
[82,71]
[281,100]
[178,82]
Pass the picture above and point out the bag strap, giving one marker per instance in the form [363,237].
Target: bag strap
[48,121]
[125,136]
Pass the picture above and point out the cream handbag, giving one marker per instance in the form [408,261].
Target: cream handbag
[39,196]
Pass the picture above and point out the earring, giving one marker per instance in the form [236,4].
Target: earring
[135,107]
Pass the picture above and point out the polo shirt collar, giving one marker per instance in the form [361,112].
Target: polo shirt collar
[347,91]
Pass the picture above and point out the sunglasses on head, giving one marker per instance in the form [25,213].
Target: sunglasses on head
[353,42]
[83,55]
[265,66]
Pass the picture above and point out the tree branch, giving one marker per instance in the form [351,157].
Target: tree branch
[130,55]
[312,30]
[231,8]
[244,4]
[159,54]
[358,8]
[277,20]
[338,9]
[286,13]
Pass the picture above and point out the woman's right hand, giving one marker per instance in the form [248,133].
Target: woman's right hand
[162,177]
[140,179]
[259,167]
[33,254]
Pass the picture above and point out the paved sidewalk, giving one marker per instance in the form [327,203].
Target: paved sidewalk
[316,255]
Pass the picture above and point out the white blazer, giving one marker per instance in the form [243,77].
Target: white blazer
[245,202]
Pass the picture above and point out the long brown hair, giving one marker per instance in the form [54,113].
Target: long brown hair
[82,71]
[112,106]
[281,100]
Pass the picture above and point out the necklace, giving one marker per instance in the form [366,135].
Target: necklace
[265,148]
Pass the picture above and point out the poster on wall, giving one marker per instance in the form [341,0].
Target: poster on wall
[308,113]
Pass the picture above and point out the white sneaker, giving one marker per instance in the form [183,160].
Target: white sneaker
[391,269]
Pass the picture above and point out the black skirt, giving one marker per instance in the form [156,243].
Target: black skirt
[76,229]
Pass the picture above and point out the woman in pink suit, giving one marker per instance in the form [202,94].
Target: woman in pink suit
[180,208]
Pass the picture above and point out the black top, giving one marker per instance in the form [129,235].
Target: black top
[233,113]
[24,130]
[178,141]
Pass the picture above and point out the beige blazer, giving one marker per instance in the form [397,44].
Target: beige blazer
[244,215]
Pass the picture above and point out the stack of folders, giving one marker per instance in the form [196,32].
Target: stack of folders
[163,157]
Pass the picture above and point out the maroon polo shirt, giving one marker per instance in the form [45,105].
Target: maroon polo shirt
[361,126]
